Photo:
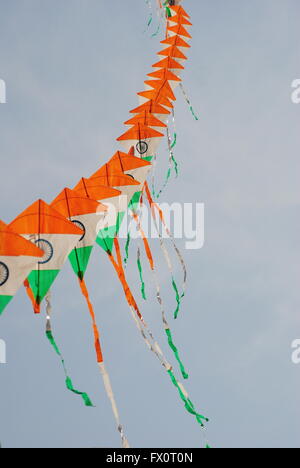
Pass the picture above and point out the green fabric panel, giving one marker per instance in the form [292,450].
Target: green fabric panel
[148,158]
[134,202]
[176,353]
[40,282]
[105,238]
[4,300]
[79,259]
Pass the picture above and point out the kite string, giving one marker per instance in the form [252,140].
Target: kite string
[100,361]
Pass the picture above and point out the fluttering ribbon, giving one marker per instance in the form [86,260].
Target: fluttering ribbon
[155,208]
[51,339]
[100,361]
[188,101]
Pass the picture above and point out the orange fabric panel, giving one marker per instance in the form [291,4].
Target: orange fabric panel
[179,30]
[179,10]
[152,107]
[176,41]
[122,162]
[41,218]
[109,173]
[180,19]
[121,180]
[164,74]
[162,86]
[13,245]
[70,203]
[140,132]
[146,118]
[95,190]
[168,63]
[173,51]
[158,97]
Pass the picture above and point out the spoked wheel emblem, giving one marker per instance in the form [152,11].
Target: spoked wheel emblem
[142,147]
[47,248]
[4,273]
[81,226]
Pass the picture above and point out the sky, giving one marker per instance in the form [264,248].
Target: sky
[72,68]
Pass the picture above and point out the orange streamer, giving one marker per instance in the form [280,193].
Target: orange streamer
[92,314]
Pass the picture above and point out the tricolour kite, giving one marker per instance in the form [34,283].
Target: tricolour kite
[92,213]
[18,257]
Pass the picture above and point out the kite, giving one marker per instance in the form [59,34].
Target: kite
[85,213]
[93,211]
[17,258]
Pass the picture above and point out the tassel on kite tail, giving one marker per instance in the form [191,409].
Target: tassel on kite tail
[154,207]
[50,337]
[188,101]
[100,361]
[158,292]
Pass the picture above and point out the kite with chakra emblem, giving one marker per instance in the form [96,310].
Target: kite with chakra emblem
[94,210]
[18,257]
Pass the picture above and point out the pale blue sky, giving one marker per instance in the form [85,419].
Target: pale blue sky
[72,69]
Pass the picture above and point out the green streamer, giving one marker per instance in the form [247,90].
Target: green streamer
[174,141]
[175,165]
[194,114]
[187,402]
[156,32]
[178,298]
[139,264]
[127,247]
[69,383]
[176,353]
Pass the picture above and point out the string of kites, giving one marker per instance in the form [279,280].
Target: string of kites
[35,246]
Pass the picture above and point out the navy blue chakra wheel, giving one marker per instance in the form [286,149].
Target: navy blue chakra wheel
[47,248]
[142,147]
[81,226]
[4,273]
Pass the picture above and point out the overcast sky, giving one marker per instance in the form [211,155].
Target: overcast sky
[72,68]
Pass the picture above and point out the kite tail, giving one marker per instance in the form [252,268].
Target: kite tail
[127,247]
[104,373]
[140,268]
[151,343]
[189,406]
[155,208]
[188,101]
[97,345]
[110,394]
[158,296]
[35,305]
[172,164]
[50,337]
